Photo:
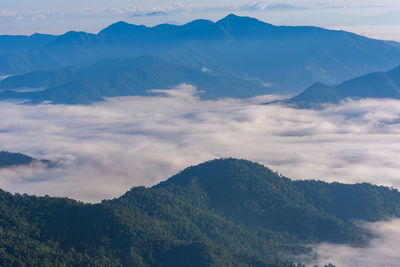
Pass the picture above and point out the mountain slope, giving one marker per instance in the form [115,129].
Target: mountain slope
[373,85]
[127,77]
[288,58]
[14,44]
[250,194]
[225,212]
[49,79]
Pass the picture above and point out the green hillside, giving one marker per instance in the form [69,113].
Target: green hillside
[225,212]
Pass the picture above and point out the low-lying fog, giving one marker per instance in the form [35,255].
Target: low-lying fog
[106,148]
[25,89]
[382,249]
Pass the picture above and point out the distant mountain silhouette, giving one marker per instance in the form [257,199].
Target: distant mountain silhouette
[373,85]
[288,58]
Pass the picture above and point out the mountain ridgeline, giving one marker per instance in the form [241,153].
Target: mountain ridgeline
[14,44]
[373,85]
[233,57]
[225,212]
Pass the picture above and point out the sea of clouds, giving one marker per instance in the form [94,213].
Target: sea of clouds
[106,148]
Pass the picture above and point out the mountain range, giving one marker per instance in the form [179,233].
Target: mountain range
[373,85]
[233,57]
[224,212]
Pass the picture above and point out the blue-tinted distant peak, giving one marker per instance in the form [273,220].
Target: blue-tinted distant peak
[231,17]
[72,37]
[199,22]
[199,27]
[40,35]
[121,27]
[235,19]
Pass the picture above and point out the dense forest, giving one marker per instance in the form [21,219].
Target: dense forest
[225,212]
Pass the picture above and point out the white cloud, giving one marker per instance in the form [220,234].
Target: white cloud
[205,69]
[382,249]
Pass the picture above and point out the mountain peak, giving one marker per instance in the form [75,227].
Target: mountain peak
[316,94]
[235,19]
[220,172]
[121,27]
[71,37]
[199,23]
[237,26]
[231,16]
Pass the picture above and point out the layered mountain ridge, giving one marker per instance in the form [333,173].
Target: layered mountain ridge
[373,85]
[261,57]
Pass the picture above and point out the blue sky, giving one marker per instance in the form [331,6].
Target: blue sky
[379,19]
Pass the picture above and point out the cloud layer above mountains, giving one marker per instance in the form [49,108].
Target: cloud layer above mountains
[106,148]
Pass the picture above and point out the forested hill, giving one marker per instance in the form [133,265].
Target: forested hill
[225,212]
[8,159]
